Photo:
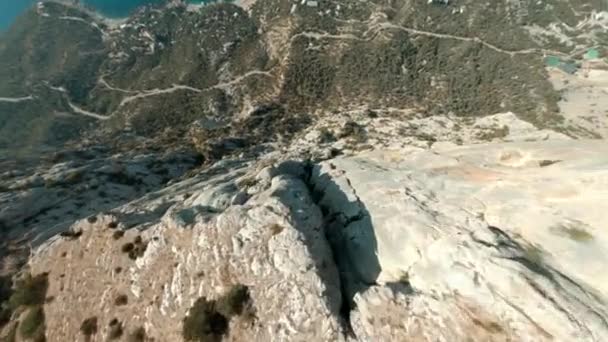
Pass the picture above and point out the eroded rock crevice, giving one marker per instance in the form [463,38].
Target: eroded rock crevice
[379,246]
[345,221]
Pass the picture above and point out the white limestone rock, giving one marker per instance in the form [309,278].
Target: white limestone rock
[273,243]
[489,242]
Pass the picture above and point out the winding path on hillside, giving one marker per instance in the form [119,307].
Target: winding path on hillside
[16,99]
[387,26]
[141,94]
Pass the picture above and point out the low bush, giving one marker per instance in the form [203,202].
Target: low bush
[208,320]
[30,291]
[32,325]
[89,327]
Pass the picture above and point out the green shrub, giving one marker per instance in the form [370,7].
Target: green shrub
[139,250]
[233,303]
[493,133]
[138,335]
[30,291]
[204,323]
[89,327]
[127,247]
[135,249]
[115,329]
[309,77]
[208,320]
[70,234]
[121,300]
[326,136]
[32,326]
[118,234]
[574,232]
[353,130]
[578,234]
[276,228]
[545,162]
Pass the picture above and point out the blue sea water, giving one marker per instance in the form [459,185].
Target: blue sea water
[122,8]
[10,9]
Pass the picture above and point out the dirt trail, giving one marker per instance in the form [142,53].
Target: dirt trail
[141,94]
[386,26]
[324,35]
[154,92]
[239,79]
[84,112]
[74,107]
[104,83]
[16,99]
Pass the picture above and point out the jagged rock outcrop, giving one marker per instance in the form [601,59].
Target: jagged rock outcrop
[273,244]
[481,242]
[40,200]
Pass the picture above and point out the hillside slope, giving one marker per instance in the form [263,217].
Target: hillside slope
[169,66]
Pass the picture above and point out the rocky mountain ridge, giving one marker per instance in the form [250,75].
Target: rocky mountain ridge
[349,232]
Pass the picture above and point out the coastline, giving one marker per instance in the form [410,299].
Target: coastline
[115,21]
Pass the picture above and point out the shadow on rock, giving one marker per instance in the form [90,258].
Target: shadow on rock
[350,232]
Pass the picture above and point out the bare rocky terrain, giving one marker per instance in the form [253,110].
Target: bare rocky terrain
[290,171]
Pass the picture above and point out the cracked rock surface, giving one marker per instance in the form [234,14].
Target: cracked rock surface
[492,242]
[350,233]
[273,244]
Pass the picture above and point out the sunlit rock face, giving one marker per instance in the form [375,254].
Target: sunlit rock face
[484,241]
[489,241]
